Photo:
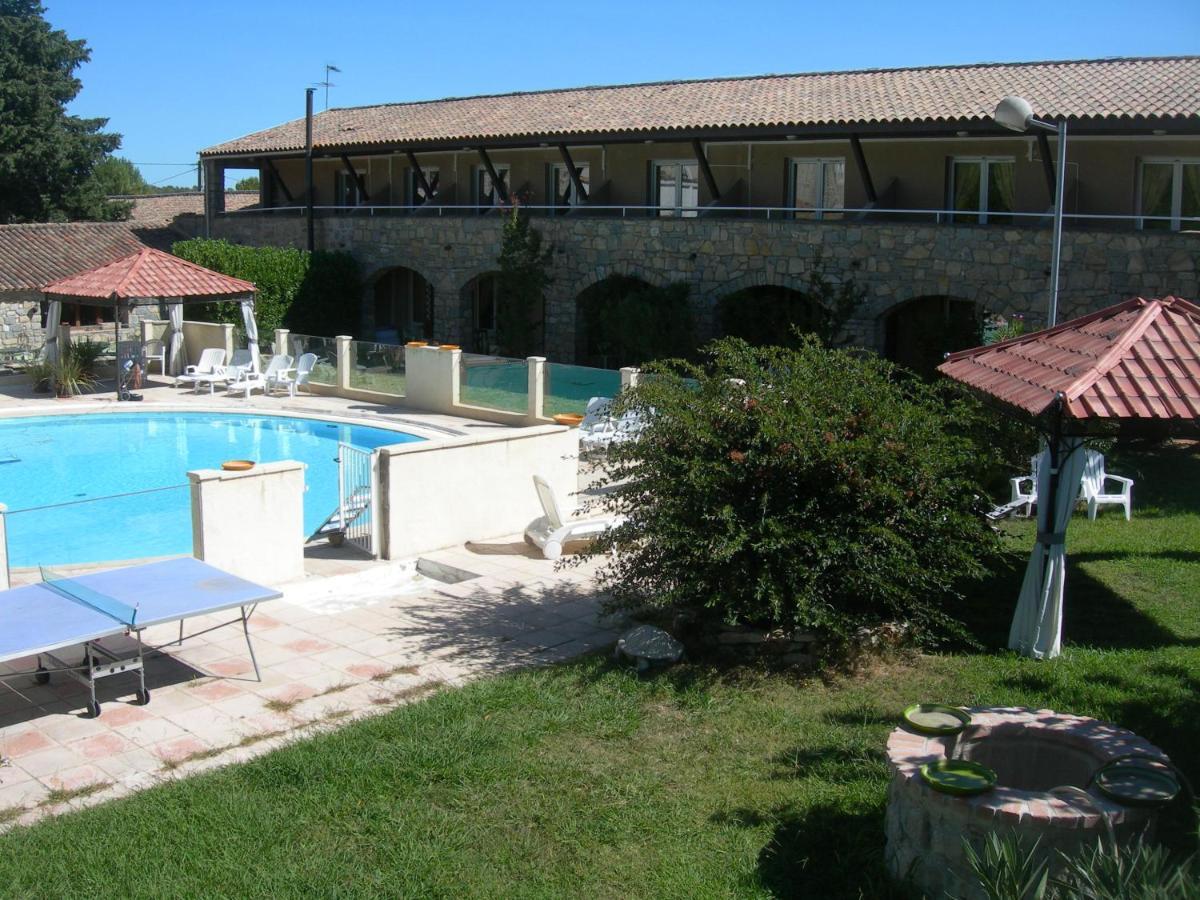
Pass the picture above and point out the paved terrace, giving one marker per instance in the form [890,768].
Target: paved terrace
[354,638]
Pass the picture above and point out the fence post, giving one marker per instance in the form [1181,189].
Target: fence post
[630,376]
[281,340]
[535,370]
[344,361]
[5,584]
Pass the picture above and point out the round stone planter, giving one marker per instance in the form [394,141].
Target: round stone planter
[1032,752]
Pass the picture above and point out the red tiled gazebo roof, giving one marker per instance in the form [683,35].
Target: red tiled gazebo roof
[1138,360]
[148,274]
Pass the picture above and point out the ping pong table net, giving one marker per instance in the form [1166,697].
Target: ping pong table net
[77,592]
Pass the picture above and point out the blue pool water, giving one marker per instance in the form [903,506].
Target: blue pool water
[59,477]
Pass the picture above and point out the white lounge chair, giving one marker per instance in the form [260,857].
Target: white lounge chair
[210,364]
[249,380]
[1092,489]
[286,380]
[598,426]
[551,531]
[1024,487]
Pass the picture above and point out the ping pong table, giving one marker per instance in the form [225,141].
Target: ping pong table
[39,619]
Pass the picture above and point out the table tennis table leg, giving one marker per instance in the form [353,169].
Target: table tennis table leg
[249,645]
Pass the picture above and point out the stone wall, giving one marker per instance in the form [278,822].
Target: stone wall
[1004,270]
[21,322]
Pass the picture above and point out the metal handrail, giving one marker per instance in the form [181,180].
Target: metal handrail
[783,212]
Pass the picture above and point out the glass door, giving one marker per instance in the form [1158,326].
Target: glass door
[676,188]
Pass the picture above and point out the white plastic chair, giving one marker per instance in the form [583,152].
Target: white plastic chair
[304,369]
[155,350]
[598,426]
[1093,490]
[551,531]
[1023,494]
[249,380]
[210,364]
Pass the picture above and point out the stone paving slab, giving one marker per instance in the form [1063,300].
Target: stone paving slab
[321,666]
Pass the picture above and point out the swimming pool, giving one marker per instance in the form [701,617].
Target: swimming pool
[111,486]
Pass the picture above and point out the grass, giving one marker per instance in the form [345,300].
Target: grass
[582,780]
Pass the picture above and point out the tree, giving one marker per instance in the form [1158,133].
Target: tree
[523,281]
[250,183]
[795,488]
[117,175]
[47,157]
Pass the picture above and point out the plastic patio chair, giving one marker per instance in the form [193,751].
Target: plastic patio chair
[1026,494]
[209,366]
[304,369]
[1093,490]
[552,530]
[155,351]
[249,380]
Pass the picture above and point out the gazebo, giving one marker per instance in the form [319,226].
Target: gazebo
[1134,366]
[147,278]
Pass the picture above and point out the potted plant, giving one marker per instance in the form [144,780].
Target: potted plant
[70,377]
[40,373]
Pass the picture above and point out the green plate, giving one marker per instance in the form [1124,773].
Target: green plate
[1137,784]
[960,777]
[936,719]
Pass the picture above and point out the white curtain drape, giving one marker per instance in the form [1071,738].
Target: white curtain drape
[1037,625]
[251,331]
[53,317]
[175,357]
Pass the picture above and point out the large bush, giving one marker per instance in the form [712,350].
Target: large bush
[313,293]
[794,487]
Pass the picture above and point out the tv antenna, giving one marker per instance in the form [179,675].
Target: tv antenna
[327,84]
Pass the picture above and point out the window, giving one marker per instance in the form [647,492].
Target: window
[346,191]
[816,186]
[1169,190]
[675,188]
[415,193]
[982,186]
[561,189]
[486,195]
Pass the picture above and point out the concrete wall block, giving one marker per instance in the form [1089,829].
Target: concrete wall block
[251,523]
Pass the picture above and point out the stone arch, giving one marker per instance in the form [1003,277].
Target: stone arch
[765,314]
[599,274]
[626,320]
[918,332]
[481,311]
[399,304]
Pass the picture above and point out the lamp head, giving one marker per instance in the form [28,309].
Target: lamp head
[1014,113]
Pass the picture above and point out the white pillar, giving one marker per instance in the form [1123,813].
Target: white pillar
[345,361]
[536,373]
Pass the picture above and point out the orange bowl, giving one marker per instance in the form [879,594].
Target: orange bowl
[237,465]
[448,347]
[417,344]
[568,419]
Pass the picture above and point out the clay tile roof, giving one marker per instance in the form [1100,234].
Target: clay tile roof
[31,255]
[146,274]
[1110,90]
[164,209]
[1137,360]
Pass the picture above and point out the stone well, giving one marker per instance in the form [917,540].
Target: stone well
[1031,751]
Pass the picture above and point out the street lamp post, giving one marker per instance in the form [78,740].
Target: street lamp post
[1015,114]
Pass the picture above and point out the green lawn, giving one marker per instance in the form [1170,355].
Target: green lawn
[584,781]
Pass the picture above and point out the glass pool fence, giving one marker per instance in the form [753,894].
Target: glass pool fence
[325,348]
[494,382]
[569,388]
[377,367]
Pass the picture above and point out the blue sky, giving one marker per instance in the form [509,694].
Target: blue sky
[174,78]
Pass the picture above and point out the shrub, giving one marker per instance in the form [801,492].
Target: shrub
[799,487]
[313,293]
[524,277]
